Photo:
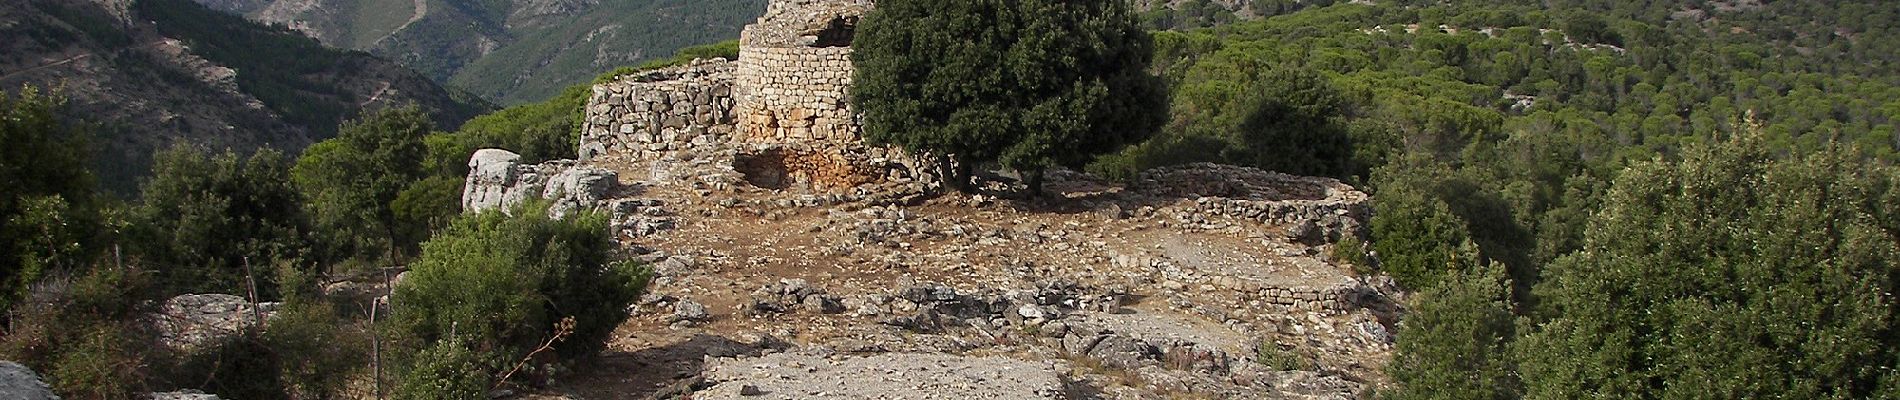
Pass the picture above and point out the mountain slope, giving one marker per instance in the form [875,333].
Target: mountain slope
[512,51]
[156,72]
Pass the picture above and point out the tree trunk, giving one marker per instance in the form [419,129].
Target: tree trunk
[947,171]
[956,174]
[1033,178]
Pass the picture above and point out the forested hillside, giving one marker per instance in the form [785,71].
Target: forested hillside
[158,72]
[1598,198]
[509,51]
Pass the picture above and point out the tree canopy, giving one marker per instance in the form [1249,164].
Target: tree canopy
[353,181]
[1027,83]
[46,206]
[1729,274]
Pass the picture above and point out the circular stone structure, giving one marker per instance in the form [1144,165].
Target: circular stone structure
[794,70]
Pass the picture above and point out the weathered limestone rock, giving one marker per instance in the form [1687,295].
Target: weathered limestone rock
[19,382]
[578,188]
[184,395]
[494,180]
[497,180]
[191,322]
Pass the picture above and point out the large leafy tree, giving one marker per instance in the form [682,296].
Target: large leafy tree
[353,181]
[47,196]
[1028,83]
[203,217]
[1728,274]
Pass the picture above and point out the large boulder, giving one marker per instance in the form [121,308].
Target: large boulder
[498,180]
[579,187]
[17,382]
[191,322]
[494,180]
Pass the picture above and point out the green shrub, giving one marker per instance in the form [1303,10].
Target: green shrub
[352,180]
[1351,250]
[103,364]
[1278,358]
[204,216]
[446,370]
[241,366]
[48,201]
[319,352]
[500,282]
[1452,345]
[1416,236]
[80,333]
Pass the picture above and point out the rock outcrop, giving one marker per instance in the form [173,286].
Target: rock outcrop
[498,180]
[17,382]
[191,322]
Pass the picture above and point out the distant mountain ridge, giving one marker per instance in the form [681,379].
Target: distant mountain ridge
[151,73]
[510,51]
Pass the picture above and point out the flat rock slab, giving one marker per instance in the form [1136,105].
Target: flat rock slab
[883,376]
[1162,328]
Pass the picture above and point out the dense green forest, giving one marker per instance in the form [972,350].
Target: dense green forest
[1595,198]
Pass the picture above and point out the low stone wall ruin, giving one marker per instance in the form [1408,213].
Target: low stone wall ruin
[661,111]
[1314,208]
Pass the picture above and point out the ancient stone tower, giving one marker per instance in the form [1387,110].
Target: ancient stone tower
[794,72]
[780,116]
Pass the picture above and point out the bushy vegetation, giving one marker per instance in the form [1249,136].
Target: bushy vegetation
[90,273]
[353,182]
[1582,190]
[207,219]
[47,206]
[1029,84]
[501,285]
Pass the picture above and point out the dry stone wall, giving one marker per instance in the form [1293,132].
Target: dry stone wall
[796,95]
[779,117]
[662,111]
[1322,209]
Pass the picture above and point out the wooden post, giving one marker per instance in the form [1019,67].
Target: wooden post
[250,281]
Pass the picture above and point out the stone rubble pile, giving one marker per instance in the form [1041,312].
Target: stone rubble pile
[1315,209]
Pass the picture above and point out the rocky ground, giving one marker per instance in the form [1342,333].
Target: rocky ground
[1203,281]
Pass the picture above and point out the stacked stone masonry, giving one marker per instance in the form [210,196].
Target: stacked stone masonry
[780,115]
[661,111]
[796,94]
[1323,208]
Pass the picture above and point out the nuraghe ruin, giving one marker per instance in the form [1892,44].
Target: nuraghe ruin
[795,261]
